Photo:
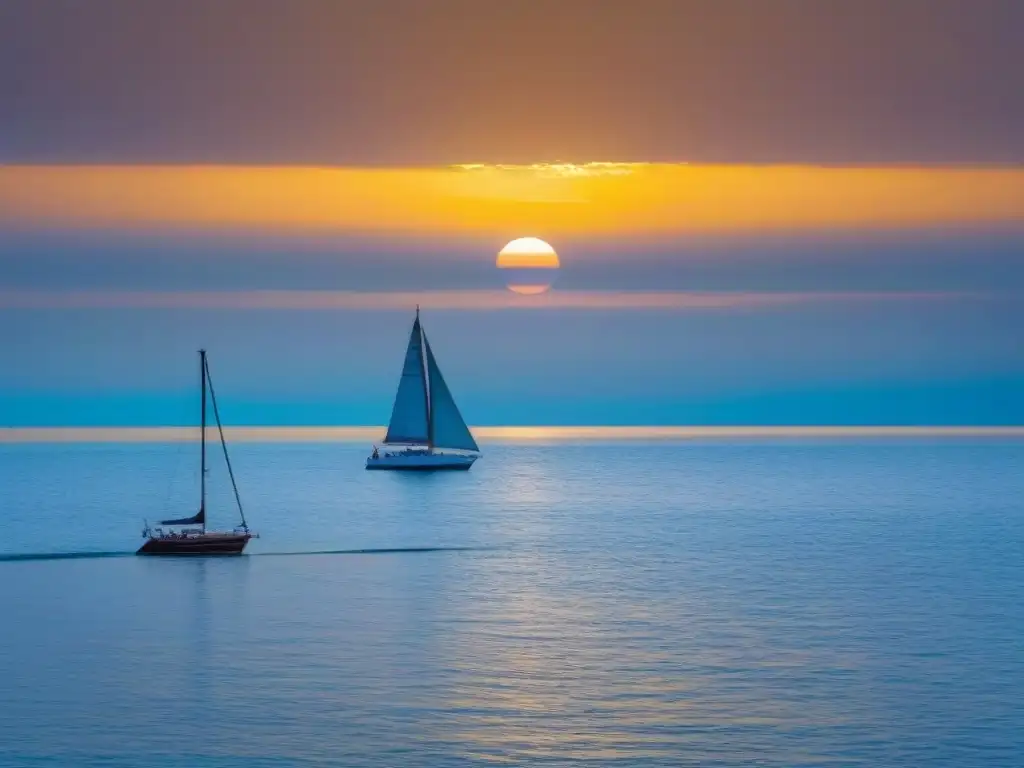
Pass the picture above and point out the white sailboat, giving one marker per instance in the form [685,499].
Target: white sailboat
[426,430]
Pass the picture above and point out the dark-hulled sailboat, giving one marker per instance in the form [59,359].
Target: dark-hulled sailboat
[182,537]
[426,431]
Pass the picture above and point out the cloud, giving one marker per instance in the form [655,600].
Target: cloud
[558,170]
[472,300]
[412,82]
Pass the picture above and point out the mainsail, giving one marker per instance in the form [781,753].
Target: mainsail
[447,427]
[199,518]
[409,420]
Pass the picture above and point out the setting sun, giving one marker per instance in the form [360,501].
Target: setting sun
[532,265]
[528,252]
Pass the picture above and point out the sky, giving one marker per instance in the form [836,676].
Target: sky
[787,213]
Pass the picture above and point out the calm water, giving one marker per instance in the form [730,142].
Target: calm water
[773,604]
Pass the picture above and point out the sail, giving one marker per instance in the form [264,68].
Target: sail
[448,430]
[199,518]
[409,416]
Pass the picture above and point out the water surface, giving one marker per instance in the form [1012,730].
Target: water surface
[692,603]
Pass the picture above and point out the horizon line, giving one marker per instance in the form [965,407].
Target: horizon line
[589,433]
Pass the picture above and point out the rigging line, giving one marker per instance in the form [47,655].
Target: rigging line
[224,445]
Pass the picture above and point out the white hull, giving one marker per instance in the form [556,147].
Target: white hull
[420,460]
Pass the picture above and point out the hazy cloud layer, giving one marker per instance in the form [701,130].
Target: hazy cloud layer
[909,261]
[467,300]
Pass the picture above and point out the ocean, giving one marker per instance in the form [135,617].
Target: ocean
[688,603]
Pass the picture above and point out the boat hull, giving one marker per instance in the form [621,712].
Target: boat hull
[201,544]
[421,461]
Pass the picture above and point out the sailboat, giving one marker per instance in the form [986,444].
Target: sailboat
[182,536]
[426,430]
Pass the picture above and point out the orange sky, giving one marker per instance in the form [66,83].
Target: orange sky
[546,200]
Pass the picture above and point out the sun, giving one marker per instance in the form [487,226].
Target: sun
[532,265]
[528,252]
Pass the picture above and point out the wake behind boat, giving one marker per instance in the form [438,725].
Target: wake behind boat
[426,431]
[183,539]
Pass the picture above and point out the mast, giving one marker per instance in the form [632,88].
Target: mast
[202,440]
[426,382]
